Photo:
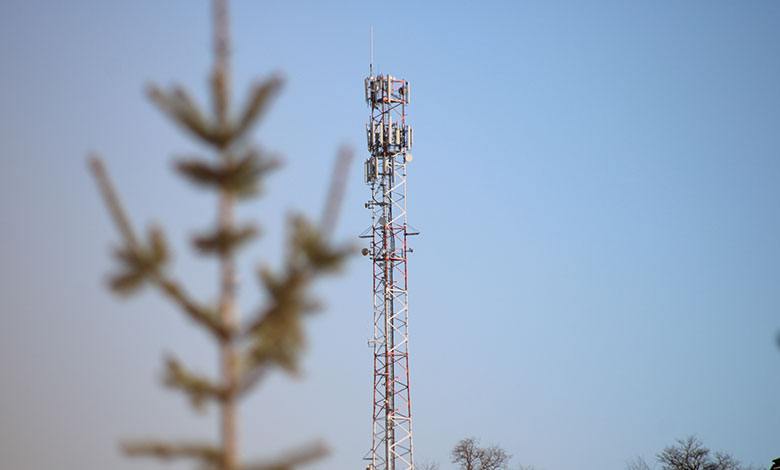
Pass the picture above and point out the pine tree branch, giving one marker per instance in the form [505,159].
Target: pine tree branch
[308,254]
[220,84]
[201,315]
[291,460]
[145,262]
[338,183]
[197,386]
[241,176]
[276,334]
[111,199]
[182,109]
[223,241]
[219,130]
[257,103]
[206,453]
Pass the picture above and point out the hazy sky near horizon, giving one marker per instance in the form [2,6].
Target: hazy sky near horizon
[596,184]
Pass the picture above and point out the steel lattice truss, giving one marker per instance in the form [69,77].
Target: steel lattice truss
[389,140]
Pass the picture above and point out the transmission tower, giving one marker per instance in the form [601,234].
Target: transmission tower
[389,140]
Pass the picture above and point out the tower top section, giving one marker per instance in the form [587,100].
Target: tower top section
[387,132]
[386,89]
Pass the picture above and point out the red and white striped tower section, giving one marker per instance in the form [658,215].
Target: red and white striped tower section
[389,140]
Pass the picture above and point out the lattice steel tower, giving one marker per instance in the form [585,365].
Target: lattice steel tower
[389,140]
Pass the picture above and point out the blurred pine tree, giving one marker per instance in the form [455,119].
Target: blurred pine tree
[248,348]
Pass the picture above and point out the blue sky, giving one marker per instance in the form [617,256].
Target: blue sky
[595,183]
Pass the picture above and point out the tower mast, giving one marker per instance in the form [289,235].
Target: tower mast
[389,139]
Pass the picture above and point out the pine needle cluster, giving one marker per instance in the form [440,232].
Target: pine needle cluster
[272,337]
